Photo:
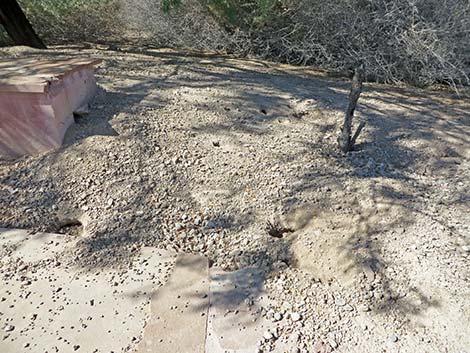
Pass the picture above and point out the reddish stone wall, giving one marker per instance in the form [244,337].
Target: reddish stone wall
[36,122]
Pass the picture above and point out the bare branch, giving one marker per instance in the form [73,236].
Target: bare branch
[344,140]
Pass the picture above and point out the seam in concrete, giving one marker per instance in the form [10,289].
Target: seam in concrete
[208,308]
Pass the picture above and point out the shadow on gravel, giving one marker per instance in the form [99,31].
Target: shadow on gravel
[393,115]
[98,121]
[242,287]
[398,144]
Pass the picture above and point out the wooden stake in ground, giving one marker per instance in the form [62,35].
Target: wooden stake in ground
[17,25]
[345,141]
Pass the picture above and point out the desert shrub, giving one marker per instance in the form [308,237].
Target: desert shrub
[416,41]
[66,21]
[400,40]
[174,24]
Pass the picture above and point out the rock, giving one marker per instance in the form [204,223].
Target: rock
[332,343]
[279,265]
[82,111]
[9,328]
[113,47]
[320,347]
[340,301]
[369,273]
[295,316]
[466,248]
[277,316]
[394,338]
[268,335]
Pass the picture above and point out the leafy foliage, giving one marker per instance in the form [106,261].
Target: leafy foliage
[61,21]
[167,5]
[235,14]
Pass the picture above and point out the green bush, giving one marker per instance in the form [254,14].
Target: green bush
[65,21]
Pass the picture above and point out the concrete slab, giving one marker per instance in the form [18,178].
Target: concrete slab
[48,307]
[179,310]
[37,101]
[235,321]
[164,303]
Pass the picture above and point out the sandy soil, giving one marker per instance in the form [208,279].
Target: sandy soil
[197,153]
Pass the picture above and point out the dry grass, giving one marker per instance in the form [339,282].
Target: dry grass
[421,42]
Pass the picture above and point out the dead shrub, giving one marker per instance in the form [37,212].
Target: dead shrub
[420,42]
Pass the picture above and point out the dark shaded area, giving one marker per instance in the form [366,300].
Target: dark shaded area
[277,230]
[17,25]
[69,226]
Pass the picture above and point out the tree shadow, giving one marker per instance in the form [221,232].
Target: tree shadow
[252,96]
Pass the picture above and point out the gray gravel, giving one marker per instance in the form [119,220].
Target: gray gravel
[197,154]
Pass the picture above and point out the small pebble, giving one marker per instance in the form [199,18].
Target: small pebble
[295,316]
[268,335]
[340,301]
[9,328]
[333,343]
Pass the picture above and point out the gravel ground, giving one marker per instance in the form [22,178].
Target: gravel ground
[197,153]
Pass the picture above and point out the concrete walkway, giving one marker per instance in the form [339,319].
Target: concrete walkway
[235,322]
[48,307]
[163,303]
[179,310]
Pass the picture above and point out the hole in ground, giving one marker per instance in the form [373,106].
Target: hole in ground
[276,230]
[70,226]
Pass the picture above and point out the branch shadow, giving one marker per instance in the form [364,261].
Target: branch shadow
[398,146]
